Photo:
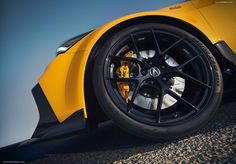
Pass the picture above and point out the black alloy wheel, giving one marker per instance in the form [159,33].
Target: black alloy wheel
[174,82]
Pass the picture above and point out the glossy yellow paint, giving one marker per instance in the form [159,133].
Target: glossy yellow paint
[63,80]
[221,17]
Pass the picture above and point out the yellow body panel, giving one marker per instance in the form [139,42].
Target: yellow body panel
[221,16]
[63,80]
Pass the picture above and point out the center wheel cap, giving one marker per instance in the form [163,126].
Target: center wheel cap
[154,72]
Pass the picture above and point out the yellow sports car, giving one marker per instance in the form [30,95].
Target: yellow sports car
[156,74]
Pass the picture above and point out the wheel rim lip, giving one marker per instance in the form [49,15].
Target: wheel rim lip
[204,102]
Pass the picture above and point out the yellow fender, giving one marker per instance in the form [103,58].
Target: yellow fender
[63,79]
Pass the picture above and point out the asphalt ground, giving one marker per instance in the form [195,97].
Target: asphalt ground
[216,142]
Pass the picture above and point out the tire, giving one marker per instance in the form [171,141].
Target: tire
[193,108]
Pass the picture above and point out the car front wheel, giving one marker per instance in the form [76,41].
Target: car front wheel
[157,81]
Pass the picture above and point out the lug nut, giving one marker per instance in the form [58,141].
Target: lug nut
[164,79]
[163,67]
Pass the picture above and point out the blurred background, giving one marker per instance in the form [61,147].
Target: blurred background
[30,32]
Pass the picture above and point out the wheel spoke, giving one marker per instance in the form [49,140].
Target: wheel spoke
[138,86]
[183,101]
[139,57]
[135,46]
[159,105]
[194,80]
[172,46]
[189,61]
[158,50]
[160,100]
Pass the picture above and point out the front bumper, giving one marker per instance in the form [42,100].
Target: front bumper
[48,126]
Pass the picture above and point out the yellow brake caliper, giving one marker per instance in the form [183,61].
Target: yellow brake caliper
[124,72]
